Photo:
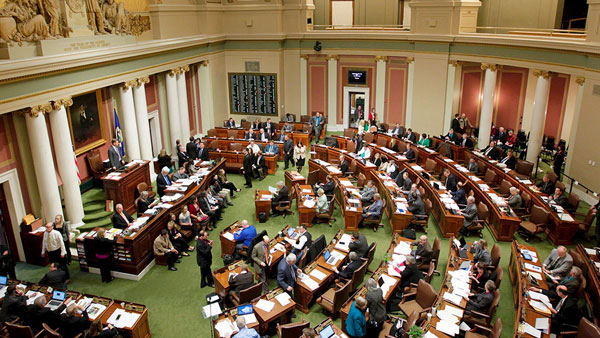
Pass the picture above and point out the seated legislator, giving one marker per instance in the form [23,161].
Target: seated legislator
[74,321]
[145,202]
[398,130]
[98,330]
[424,141]
[509,160]
[344,165]
[328,187]
[470,215]
[558,263]
[514,199]
[411,273]
[394,145]
[262,135]
[451,137]
[481,253]
[176,238]
[287,271]
[213,212]
[259,167]
[254,147]
[304,240]
[243,331]
[271,148]
[546,186]
[481,302]
[121,219]
[257,124]
[55,278]
[163,181]
[202,152]
[459,196]
[384,164]
[409,153]
[322,202]
[287,127]
[572,281]
[308,332]
[491,151]
[14,304]
[410,196]
[243,237]
[230,123]
[38,313]
[180,174]
[164,247]
[347,270]
[473,166]
[359,244]
[410,136]
[416,206]
[366,195]
[449,180]
[404,182]
[559,197]
[114,155]
[249,135]
[423,252]
[241,281]
[479,277]
[283,195]
[374,210]
[566,314]
[364,153]
[466,142]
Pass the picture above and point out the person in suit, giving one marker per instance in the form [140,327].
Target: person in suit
[481,302]
[287,271]
[359,244]
[7,262]
[344,165]
[288,151]
[104,252]
[180,174]
[410,136]
[491,151]
[230,123]
[466,141]
[260,254]
[559,159]
[164,247]
[559,197]
[479,277]
[182,155]
[202,152]
[164,160]
[241,281]
[400,178]
[377,312]
[14,304]
[114,155]
[271,148]
[449,180]
[406,182]
[356,323]
[281,196]
[546,186]
[249,135]
[279,137]
[416,207]
[304,240]
[398,130]
[424,141]
[455,124]
[269,128]
[212,210]
[572,281]
[366,195]
[317,123]
[72,324]
[98,330]
[287,128]
[413,189]
[565,313]
[247,168]
[473,166]
[509,160]
[328,187]
[409,153]
[558,263]
[37,313]
[145,202]
[470,215]
[514,199]
[501,135]
[121,219]
[256,125]
[191,148]
[259,167]
[451,136]
[411,273]
[423,252]
[55,278]
[347,270]
[163,181]
[374,210]
[459,196]
[204,259]
[481,253]
[262,135]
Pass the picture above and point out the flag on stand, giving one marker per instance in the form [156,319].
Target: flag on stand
[76,166]
[118,133]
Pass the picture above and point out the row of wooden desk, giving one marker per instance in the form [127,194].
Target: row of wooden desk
[239,133]
[101,308]
[400,218]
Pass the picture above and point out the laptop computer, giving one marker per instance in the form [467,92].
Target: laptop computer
[327,332]
[329,258]
[291,232]
[436,185]
[245,309]
[58,297]
[466,265]
[463,244]
[426,175]
[3,280]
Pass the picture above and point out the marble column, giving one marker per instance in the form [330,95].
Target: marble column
[141,117]
[128,120]
[487,104]
[303,85]
[538,120]
[571,141]
[206,97]
[173,107]
[381,62]
[184,115]
[409,91]
[331,90]
[43,161]
[453,73]
[66,161]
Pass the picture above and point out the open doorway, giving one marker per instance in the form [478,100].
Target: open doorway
[357,108]
[356,100]
[7,236]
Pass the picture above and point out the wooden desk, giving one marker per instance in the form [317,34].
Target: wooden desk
[124,190]
[304,295]
[232,156]
[352,212]
[221,277]
[225,143]
[324,168]
[32,237]
[291,179]
[262,204]
[231,315]
[592,287]
[327,322]
[222,137]
[227,244]
[457,151]
[392,194]
[331,157]
[305,214]
[283,313]
[139,329]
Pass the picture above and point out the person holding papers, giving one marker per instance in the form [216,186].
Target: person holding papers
[121,219]
[114,155]
[243,238]
[163,181]
[377,312]
[204,259]
[566,313]
[287,271]
[571,281]
[241,281]
[423,251]
[260,255]
[479,277]
[272,148]
[559,197]
[104,252]
[281,196]
[164,247]
[481,302]
[71,324]
[322,203]
[347,270]
[558,264]
[359,244]
[366,195]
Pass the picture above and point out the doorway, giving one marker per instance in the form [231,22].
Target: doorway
[355,97]
[357,108]
[341,13]
[7,236]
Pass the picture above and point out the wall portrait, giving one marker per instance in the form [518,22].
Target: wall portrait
[86,121]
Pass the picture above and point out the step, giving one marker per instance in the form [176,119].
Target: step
[97,215]
[91,207]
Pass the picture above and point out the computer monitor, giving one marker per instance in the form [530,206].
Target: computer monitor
[327,332]
[245,310]
[326,255]
[463,242]
[3,280]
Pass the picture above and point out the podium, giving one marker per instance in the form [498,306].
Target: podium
[122,188]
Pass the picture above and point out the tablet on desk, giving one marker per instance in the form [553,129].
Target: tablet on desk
[327,332]
[245,310]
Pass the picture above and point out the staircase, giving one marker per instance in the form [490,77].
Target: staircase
[94,206]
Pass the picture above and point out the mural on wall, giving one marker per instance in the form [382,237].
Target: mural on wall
[86,122]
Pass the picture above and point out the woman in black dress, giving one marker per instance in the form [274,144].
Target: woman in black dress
[176,237]
[104,251]
[225,183]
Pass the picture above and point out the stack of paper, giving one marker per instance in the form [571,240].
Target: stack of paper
[452,298]
[533,267]
[542,324]
[403,248]
[283,298]
[125,319]
[309,282]
[532,330]
[448,328]
[454,311]
[388,282]
[95,310]
[265,305]
[343,243]
[228,235]
[317,274]
[539,306]
[225,328]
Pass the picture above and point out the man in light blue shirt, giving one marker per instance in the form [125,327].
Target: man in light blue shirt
[243,238]
[244,332]
[272,148]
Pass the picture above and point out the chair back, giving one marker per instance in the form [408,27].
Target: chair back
[577,259]
[292,330]
[587,221]
[539,215]
[573,201]
[359,275]
[497,329]
[16,330]
[302,262]
[350,147]
[215,144]
[429,273]
[246,125]
[50,333]
[331,207]
[313,177]
[428,206]
[493,307]
[232,133]
[410,322]
[587,329]
[436,249]
[430,165]
[250,293]
[481,168]
[371,253]
[505,187]
[341,295]
[561,185]
[524,167]
[304,118]
[482,211]
[499,273]
[422,192]
[349,132]
[307,128]
[142,187]
[95,161]
[368,137]
[235,146]
[212,133]
[490,177]
[496,254]
[353,167]
[426,295]
[582,285]
[526,200]
[362,180]
[552,176]
[382,142]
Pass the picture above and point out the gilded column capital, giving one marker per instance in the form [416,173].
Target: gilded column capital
[204,63]
[66,102]
[184,69]
[142,80]
[304,56]
[35,111]
[490,66]
[543,73]
[454,63]
[410,59]
[580,80]
[332,57]
[129,84]
[381,58]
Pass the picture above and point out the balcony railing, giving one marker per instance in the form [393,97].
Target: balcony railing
[555,33]
[400,28]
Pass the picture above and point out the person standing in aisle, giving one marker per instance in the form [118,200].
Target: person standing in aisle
[204,259]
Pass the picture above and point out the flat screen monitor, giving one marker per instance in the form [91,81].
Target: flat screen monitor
[357,77]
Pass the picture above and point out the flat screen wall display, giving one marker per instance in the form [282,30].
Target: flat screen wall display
[253,93]
[358,77]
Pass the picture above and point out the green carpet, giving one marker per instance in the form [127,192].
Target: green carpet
[174,299]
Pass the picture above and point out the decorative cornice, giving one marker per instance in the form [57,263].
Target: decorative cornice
[454,63]
[580,80]
[332,57]
[142,80]
[180,70]
[381,58]
[543,73]
[204,63]
[185,68]
[129,84]
[410,59]
[490,66]
[67,102]
[304,56]
[35,111]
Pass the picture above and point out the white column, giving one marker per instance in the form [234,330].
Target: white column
[173,106]
[206,97]
[409,91]
[303,85]
[571,141]
[381,62]
[129,125]
[538,120]
[453,69]
[332,90]
[487,104]
[43,162]
[65,159]
[183,103]
[141,117]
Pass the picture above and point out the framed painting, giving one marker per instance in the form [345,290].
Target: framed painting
[86,121]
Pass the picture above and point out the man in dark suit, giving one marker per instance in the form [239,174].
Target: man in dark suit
[409,153]
[374,210]
[269,128]
[114,155]
[559,197]
[348,270]
[406,182]
[38,313]
[410,136]
[565,313]
[256,125]
[466,141]
[241,281]
[470,215]
[501,135]
[411,273]
[262,135]
[247,168]
[328,187]
[287,271]
[546,185]
[182,155]
[343,165]
[455,124]
[473,166]
[451,136]
[213,212]
[288,151]
[417,207]
[481,302]
[509,160]
[491,151]
[202,152]
[163,181]
[191,149]
[459,196]
[204,259]
[449,180]
[359,244]
[571,281]
[14,304]
[259,166]
[398,130]
[281,196]
[71,324]
[55,278]
[230,123]
[423,252]
[317,122]
[249,135]
[121,219]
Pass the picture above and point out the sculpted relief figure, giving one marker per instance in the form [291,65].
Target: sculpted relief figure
[115,17]
[22,21]
[95,16]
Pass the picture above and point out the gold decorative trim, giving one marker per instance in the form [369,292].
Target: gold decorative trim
[332,57]
[490,66]
[454,63]
[35,111]
[410,59]
[62,102]
[381,58]
[142,80]
[543,73]
[304,56]
[204,63]
[185,68]
[580,80]
[129,84]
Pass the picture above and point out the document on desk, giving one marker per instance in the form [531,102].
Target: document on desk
[533,267]
[535,275]
[532,330]
[33,295]
[265,305]
[250,318]
[403,248]
[95,310]
[344,242]
[225,327]
[317,274]
[266,197]
[121,318]
[590,252]
[448,328]
[428,334]
[228,235]
[309,282]
[454,310]
[309,203]
[539,306]
[452,298]
[542,324]
[346,183]
[447,316]
[272,190]
[283,298]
